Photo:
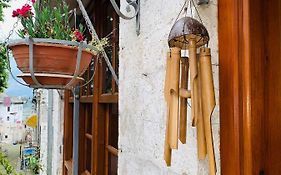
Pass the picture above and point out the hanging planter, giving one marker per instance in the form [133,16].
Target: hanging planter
[51,63]
[51,54]
[50,58]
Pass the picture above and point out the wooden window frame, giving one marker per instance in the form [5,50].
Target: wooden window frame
[100,103]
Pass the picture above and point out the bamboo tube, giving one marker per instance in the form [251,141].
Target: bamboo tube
[184,93]
[174,110]
[208,99]
[167,78]
[201,141]
[183,100]
[193,81]
[167,149]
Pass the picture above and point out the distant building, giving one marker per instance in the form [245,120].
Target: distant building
[11,119]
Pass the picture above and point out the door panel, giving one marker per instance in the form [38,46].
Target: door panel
[273,89]
[250,86]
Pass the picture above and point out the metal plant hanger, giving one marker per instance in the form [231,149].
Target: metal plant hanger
[189,34]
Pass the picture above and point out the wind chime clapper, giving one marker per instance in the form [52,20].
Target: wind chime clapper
[189,34]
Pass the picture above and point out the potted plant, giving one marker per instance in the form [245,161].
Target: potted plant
[34,164]
[56,47]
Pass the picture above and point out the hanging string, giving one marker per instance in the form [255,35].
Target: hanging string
[189,4]
[182,8]
[197,11]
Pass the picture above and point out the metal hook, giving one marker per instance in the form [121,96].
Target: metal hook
[136,5]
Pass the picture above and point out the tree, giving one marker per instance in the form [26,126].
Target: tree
[4,75]
[3,51]
[3,4]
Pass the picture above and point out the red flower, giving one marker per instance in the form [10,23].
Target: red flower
[16,13]
[33,1]
[25,11]
[78,35]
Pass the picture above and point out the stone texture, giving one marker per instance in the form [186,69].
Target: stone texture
[142,107]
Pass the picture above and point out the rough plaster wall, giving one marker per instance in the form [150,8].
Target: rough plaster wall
[43,115]
[142,107]
[57,134]
[57,118]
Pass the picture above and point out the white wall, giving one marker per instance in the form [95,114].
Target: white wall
[58,135]
[42,107]
[142,73]
[57,129]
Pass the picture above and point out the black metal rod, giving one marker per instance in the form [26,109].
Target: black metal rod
[75,158]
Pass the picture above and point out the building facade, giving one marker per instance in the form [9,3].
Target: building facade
[12,126]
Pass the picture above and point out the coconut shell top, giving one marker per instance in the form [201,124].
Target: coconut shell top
[185,29]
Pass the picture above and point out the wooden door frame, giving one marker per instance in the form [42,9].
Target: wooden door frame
[241,59]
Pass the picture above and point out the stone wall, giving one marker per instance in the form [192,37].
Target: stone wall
[142,73]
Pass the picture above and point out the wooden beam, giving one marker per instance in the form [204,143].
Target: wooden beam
[112,150]
[230,83]
[241,25]
[108,98]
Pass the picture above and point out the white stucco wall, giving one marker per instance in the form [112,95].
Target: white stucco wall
[57,129]
[57,153]
[42,107]
[142,107]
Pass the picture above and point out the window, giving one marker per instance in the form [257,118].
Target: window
[98,134]
[8,108]
[111,141]
[6,136]
[8,118]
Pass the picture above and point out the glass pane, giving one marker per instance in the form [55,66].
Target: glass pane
[112,164]
[88,155]
[108,32]
[85,88]
[107,77]
[91,72]
[89,118]
[113,126]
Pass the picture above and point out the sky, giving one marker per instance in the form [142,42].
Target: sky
[14,88]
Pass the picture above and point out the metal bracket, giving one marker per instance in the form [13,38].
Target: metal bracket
[202,2]
[136,5]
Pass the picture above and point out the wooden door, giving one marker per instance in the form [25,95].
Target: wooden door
[250,83]
[272,123]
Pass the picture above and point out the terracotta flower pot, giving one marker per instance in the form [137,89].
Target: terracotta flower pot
[51,58]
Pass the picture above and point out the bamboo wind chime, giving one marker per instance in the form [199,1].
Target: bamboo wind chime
[189,34]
